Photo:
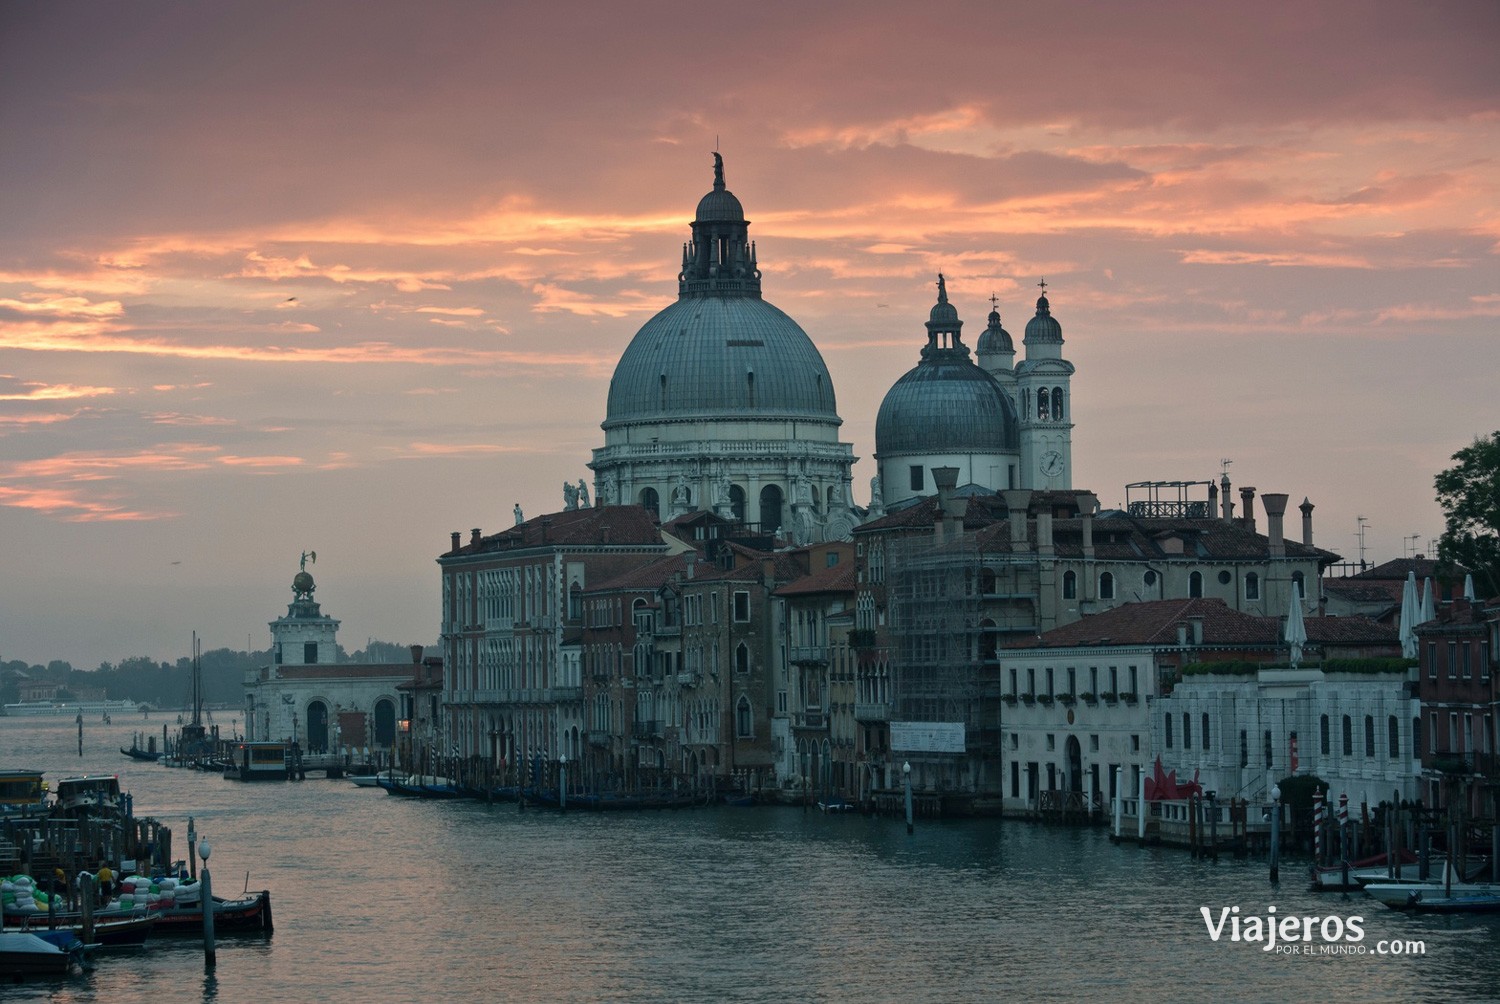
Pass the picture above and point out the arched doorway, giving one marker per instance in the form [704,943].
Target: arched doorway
[1075,765]
[385,723]
[770,509]
[317,727]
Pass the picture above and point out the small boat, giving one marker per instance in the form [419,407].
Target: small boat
[150,756]
[114,932]
[835,805]
[24,954]
[250,912]
[257,761]
[1330,878]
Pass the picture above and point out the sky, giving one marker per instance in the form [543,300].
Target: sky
[346,277]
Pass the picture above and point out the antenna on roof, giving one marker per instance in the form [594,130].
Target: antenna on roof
[1364,524]
[1224,463]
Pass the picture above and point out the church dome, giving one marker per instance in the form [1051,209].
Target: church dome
[719,205]
[1043,327]
[720,357]
[945,404]
[995,338]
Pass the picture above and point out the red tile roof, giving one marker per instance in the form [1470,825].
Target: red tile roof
[616,525]
[1155,623]
[836,579]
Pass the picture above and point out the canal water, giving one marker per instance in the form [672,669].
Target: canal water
[386,899]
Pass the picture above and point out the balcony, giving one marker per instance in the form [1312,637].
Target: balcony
[689,679]
[809,653]
[564,695]
[880,712]
[813,718]
[646,730]
[599,737]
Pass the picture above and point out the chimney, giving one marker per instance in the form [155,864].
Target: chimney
[950,521]
[1017,501]
[768,570]
[1247,507]
[1226,511]
[1307,508]
[1275,504]
[1044,532]
[692,563]
[416,654]
[1088,503]
[456,535]
[475,535]
[1181,634]
[1197,625]
[1213,499]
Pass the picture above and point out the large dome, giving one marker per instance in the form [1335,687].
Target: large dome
[720,357]
[946,406]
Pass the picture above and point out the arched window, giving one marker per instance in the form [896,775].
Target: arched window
[1070,585]
[1348,736]
[1041,403]
[737,502]
[1301,589]
[575,602]
[1205,730]
[744,722]
[1369,735]
[1057,403]
[1195,585]
[1167,728]
[1187,731]
[1326,740]
[1107,586]
[770,509]
[651,502]
[1393,737]
[1252,586]
[742,658]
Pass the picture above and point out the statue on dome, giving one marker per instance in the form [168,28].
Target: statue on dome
[517,511]
[583,495]
[718,170]
[570,496]
[607,490]
[306,557]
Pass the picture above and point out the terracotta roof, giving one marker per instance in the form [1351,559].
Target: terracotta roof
[616,525]
[1155,623]
[1357,590]
[835,579]
[648,576]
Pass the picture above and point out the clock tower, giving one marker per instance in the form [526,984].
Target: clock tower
[1045,403]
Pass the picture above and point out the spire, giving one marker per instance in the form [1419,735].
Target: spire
[943,325]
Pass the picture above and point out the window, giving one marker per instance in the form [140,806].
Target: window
[742,658]
[1323,735]
[1133,681]
[1094,743]
[1369,735]
[1205,730]
[916,477]
[1093,679]
[1453,660]
[575,602]
[1187,731]
[1348,736]
[1268,749]
[1114,680]
[1244,749]
[651,502]
[741,606]
[1432,660]
[1049,681]
[1463,661]
[744,723]
[1072,682]
[1149,578]
[1015,779]
[1031,680]
[1051,742]
[1167,721]
[1224,578]
[1416,737]
[1252,586]
[1195,585]
[1107,586]
[1070,585]
[1393,737]
[1013,689]
[310,652]
[1135,744]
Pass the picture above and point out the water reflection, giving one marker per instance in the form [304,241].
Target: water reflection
[393,900]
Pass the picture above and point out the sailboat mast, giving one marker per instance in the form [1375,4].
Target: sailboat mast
[197,680]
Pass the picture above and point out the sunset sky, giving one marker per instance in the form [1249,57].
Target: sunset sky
[346,277]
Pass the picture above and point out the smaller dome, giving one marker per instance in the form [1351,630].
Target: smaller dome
[944,316]
[720,206]
[302,583]
[995,338]
[1043,327]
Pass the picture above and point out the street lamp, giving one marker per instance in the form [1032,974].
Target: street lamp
[906,776]
[562,782]
[206,894]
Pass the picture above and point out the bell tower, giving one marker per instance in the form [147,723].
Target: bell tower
[1046,403]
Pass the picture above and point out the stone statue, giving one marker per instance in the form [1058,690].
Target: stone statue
[583,495]
[680,494]
[877,496]
[570,496]
[519,518]
[607,491]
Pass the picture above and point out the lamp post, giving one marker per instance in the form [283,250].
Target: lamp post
[206,892]
[1275,834]
[906,776]
[562,782]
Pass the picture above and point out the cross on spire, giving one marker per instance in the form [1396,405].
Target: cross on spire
[1043,284]
[994,302]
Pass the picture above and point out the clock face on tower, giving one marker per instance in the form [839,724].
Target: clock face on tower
[1051,463]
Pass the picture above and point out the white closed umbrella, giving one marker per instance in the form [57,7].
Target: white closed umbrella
[1296,631]
[1409,611]
[1427,612]
[1469,587]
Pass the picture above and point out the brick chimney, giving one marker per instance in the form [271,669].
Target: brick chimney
[416,654]
[1307,508]
[474,535]
[1275,504]
[1247,507]
[1226,503]
[456,536]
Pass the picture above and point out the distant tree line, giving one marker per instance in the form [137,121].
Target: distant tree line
[170,685]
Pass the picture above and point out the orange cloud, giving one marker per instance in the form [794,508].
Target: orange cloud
[54,392]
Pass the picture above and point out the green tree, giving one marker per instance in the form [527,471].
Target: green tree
[1469,493]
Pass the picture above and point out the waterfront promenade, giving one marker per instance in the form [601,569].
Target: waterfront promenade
[391,899]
